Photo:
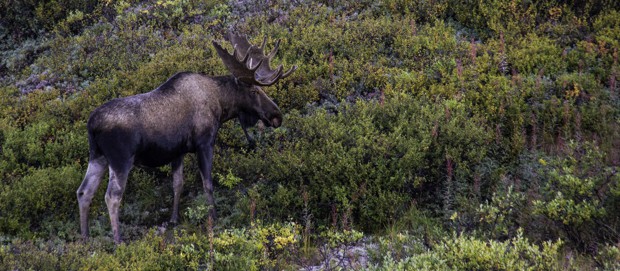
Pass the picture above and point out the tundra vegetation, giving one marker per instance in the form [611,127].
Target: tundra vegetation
[417,135]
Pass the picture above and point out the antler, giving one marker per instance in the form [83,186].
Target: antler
[249,64]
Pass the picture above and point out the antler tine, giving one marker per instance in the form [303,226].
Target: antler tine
[239,42]
[274,50]
[289,72]
[243,58]
[281,75]
[248,63]
[262,46]
[277,75]
[271,78]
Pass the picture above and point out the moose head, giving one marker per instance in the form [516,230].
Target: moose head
[180,116]
[250,66]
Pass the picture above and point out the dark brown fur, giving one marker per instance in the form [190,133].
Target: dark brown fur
[181,116]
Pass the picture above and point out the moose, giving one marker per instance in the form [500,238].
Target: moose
[180,116]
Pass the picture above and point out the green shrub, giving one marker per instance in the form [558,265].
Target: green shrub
[609,257]
[606,27]
[491,18]
[256,248]
[419,116]
[533,54]
[363,166]
[579,196]
[40,195]
[28,19]
[153,252]
[411,235]
[500,214]
[38,254]
[41,145]
[468,253]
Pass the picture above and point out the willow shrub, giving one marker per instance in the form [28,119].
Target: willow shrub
[38,199]
[364,163]
[468,253]
[262,246]
[278,246]
[451,100]
[579,198]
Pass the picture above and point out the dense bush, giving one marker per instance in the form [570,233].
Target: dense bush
[467,253]
[278,246]
[26,19]
[35,195]
[437,133]
[366,162]
[580,196]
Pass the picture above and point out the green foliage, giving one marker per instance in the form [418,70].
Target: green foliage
[27,19]
[166,14]
[199,212]
[335,239]
[605,27]
[153,252]
[229,180]
[260,247]
[533,54]
[410,118]
[500,213]
[497,16]
[14,60]
[609,257]
[468,253]
[150,253]
[364,164]
[411,235]
[37,135]
[35,195]
[40,255]
[578,196]
[465,253]
[565,209]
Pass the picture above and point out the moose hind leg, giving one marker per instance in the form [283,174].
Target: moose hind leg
[114,195]
[86,191]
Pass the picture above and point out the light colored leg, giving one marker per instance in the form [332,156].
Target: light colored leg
[86,191]
[113,197]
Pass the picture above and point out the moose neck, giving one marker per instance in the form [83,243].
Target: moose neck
[231,98]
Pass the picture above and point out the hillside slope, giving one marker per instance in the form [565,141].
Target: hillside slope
[435,134]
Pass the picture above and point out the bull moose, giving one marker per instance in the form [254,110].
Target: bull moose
[180,116]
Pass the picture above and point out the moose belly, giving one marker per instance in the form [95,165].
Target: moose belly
[154,155]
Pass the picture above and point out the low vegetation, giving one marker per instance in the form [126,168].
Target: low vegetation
[418,135]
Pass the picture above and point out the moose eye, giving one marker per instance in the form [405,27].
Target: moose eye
[254,90]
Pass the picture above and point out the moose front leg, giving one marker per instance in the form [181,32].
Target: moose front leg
[177,187]
[205,161]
